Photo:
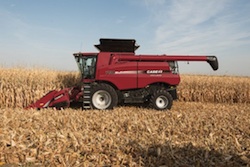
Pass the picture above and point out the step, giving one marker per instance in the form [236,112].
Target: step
[86,107]
[86,86]
[86,91]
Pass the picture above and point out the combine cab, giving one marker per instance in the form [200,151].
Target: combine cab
[116,75]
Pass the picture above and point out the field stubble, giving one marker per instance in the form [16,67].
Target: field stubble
[208,126]
[191,134]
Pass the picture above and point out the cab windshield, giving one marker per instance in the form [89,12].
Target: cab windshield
[86,65]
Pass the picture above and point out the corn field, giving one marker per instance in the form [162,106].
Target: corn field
[215,89]
[19,87]
[208,126]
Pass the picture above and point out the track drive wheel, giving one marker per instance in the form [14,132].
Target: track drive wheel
[103,97]
[161,100]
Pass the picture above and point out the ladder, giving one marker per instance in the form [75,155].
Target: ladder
[86,96]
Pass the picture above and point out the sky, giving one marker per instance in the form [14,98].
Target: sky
[46,33]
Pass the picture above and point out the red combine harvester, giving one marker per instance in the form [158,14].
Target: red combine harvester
[116,75]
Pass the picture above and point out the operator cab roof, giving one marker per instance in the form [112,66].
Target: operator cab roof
[84,54]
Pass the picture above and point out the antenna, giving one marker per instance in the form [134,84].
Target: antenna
[81,47]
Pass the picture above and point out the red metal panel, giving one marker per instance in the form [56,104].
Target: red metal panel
[122,75]
[122,70]
[156,72]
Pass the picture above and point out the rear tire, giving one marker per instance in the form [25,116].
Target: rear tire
[103,97]
[161,100]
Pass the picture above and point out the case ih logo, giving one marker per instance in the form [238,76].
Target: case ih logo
[154,71]
[137,72]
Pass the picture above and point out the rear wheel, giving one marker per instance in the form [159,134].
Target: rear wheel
[161,100]
[103,97]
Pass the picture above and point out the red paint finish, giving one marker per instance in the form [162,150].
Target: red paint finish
[57,99]
[130,71]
